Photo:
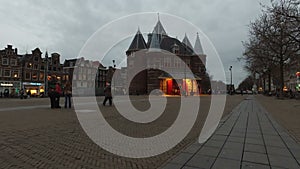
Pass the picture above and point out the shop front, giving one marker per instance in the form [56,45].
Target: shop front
[34,89]
[180,85]
[9,88]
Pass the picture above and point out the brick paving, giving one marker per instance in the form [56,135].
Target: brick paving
[34,136]
[247,138]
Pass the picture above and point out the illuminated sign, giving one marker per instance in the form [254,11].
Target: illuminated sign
[7,84]
[32,83]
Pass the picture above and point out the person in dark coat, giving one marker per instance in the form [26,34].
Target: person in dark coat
[51,95]
[108,96]
[58,92]
[68,94]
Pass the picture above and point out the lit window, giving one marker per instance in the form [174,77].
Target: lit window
[34,76]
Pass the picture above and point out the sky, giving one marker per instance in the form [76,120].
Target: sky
[65,26]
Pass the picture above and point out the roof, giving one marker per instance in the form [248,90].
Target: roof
[198,47]
[159,29]
[168,42]
[187,42]
[138,42]
[154,41]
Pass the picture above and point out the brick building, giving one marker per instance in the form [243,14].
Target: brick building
[160,51]
[31,72]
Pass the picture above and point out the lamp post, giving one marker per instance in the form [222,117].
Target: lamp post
[46,75]
[22,71]
[114,69]
[230,69]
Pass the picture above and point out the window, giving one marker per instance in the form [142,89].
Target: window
[34,76]
[6,73]
[42,68]
[41,76]
[54,68]
[29,65]
[13,62]
[27,75]
[0,72]
[16,74]
[177,62]
[36,59]
[4,61]
[36,67]
[167,62]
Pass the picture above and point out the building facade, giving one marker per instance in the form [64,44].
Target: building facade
[30,72]
[163,51]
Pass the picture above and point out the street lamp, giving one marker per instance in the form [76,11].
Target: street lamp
[114,69]
[230,69]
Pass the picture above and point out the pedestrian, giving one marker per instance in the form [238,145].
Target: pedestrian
[28,93]
[58,92]
[68,94]
[21,94]
[52,96]
[108,96]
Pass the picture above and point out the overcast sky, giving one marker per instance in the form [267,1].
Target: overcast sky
[65,26]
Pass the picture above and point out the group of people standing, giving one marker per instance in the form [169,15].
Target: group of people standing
[57,91]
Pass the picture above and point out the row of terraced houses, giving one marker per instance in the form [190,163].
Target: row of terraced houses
[33,72]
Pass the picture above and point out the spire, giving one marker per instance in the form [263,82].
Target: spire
[187,42]
[138,42]
[46,54]
[198,47]
[159,29]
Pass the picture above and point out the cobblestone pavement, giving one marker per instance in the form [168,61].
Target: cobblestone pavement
[34,136]
[248,138]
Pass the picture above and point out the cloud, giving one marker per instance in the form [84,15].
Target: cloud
[64,26]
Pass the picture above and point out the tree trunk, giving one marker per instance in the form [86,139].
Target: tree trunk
[269,81]
[264,83]
[281,78]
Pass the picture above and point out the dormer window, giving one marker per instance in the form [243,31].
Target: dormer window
[175,49]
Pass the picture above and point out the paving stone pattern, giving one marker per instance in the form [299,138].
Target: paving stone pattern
[248,138]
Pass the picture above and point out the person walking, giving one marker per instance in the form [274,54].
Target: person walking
[108,96]
[68,94]
[58,92]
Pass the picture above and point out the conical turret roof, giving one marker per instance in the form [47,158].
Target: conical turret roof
[155,41]
[159,29]
[187,42]
[138,42]
[198,47]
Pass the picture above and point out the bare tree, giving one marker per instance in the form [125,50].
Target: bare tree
[274,38]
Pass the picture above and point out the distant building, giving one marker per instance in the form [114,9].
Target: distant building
[10,71]
[30,72]
[149,79]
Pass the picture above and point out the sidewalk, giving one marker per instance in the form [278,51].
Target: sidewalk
[248,138]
